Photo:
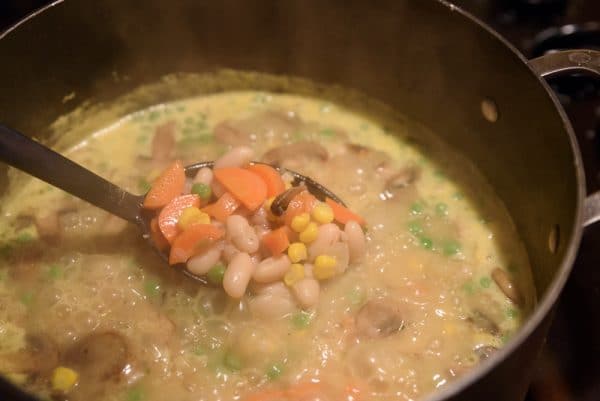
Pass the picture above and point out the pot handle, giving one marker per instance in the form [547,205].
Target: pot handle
[566,62]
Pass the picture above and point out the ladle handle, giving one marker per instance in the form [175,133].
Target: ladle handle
[33,158]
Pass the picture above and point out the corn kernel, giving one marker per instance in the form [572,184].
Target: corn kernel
[300,222]
[322,213]
[63,379]
[309,234]
[287,185]
[192,215]
[294,274]
[325,267]
[297,252]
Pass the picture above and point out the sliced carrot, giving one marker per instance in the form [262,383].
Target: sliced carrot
[167,186]
[304,390]
[157,237]
[270,176]
[303,202]
[277,240]
[223,207]
[342,214]
[170,214]
[192,241]
[244,185]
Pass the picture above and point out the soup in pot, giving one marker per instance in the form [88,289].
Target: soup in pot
[426,278]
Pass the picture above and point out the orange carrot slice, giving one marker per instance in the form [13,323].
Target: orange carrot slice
[195,239]
[170,214]
[304,390]
[270,176]
[244,185]
[223,207]
[303,202]
[342,214]
[167,186]
[276,241]
[157,237]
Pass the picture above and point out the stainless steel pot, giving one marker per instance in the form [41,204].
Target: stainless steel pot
[427,58]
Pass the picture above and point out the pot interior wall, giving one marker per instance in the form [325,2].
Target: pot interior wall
[420,57]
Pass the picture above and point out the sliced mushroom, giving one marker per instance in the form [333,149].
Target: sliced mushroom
[309,149]
[281,202]
[226,133]
[99,357]
[163,142]
[401,180]
[379,318]
[483,322]
[40,356]
[506,285]
[485,351]
[47,225]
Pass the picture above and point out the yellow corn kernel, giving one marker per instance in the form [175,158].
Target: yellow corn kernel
[324,267]
[322,213]
[63,379]
[297,252]
[294,274]
[270,216]
[300,222]
[192,215]
[287,185]
[309,234]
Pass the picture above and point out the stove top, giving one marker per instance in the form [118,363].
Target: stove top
[569,369]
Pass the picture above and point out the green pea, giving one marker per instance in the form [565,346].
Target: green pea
[485,282]
[135,394]
[199,350]
[216,273]
[232,362]
[415,228]
[143,185]
[512,313]
[274,371]
[152,288]
[154,115]
[416,208]
[24,238]
[469,288]
[441,209]
[27,298]
[302,320]
[327,133]
[427,243]
[451,248]
[54,272]
[202,190]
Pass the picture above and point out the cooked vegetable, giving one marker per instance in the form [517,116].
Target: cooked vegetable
[223,207]
[63,379]
[276,241]
[158,238]
[202,190]
[192,241]
[342,214]
[270,176]
[167,186]
[246,186]
[169,216]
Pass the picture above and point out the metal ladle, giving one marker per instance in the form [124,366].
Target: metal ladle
[25,154]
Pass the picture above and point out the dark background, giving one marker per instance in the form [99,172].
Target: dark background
[569,369]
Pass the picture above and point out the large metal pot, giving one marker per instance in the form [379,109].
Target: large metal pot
[426,58]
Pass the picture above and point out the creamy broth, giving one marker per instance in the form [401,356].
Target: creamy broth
[444,283]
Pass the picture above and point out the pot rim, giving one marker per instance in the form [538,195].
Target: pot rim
[544,307]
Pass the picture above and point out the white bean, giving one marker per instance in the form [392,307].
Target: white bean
[229,251]
[236,157]
[272,269]
[201,263]
[340,252]
[307,292]
[308,270]
[204,176]
[272,301]
[238,274]
[328,235]
[356,241]
[241,234]
[259,218]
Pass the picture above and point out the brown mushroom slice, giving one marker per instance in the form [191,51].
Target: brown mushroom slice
[483,322]
[309,149]
[99,358]
[40,356]
[226,133]
[483,352]
[379,318]
[163,141]
[400,180]
[506,285]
